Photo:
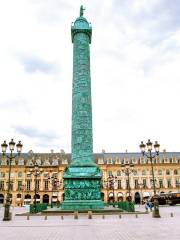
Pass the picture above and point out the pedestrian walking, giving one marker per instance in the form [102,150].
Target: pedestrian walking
[146,206]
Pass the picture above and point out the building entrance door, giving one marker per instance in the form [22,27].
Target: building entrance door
[137,198]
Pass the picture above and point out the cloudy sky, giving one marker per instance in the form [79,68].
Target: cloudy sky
[135,70]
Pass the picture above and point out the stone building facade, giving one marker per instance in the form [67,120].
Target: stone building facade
[114,180]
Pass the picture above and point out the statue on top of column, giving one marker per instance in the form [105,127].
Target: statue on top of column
[81,10]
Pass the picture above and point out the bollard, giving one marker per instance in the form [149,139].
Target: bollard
[136,216]
[62,217]
[76,215]
[172,215]
[89,214]
[120,216]
[103,217]
[45,217]
[28,217]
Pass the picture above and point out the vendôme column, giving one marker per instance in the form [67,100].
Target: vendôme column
[82,142]
[82,178]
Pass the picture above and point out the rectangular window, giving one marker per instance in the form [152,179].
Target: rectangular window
[157,160]
[136,183]
[1,185]
[144,183]
[19,185]
[127,184]
[55,184]
[109,161]
[46,185]
[2,174]
[19,174]
[37,184]
[28,185]
[118,173]
[169,183]
[161,183]
[28,175]
[109,173]
[142,160]
[55,175]
[11,185]
[46,175]
[119,184]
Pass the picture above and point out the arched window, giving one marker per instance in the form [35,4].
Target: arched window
[167,172]
[159,172]
[27,196]
[18,195]
[175,172]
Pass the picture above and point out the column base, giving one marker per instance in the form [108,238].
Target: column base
[82,205]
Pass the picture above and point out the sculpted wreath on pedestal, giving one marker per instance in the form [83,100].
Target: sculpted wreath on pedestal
[81,184]
[88,194]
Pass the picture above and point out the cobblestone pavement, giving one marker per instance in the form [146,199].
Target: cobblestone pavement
[112,227]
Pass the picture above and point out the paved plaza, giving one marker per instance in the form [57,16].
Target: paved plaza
[111,227]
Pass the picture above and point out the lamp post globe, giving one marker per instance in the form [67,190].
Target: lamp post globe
[10,157]
[151,156]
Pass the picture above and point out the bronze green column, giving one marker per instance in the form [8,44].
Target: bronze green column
[82,178]
[82,143]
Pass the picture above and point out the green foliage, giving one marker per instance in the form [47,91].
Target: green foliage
[127,206]
[38,207]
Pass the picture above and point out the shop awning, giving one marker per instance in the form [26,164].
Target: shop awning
[146,194]
[111,194]
[54,199]
[120,194]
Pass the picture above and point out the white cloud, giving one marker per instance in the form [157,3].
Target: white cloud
[135,72]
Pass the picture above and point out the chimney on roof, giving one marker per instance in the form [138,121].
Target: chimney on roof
[164,150]
[62,151]
[126,151]
[103,151]
[52,151]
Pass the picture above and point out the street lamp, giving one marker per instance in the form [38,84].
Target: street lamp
[111,182]
[22,188]
[11,156]
[151,156]
[141,187]
[54,184]
[128,169]
[35,171]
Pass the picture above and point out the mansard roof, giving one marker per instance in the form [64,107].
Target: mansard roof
[56,159]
